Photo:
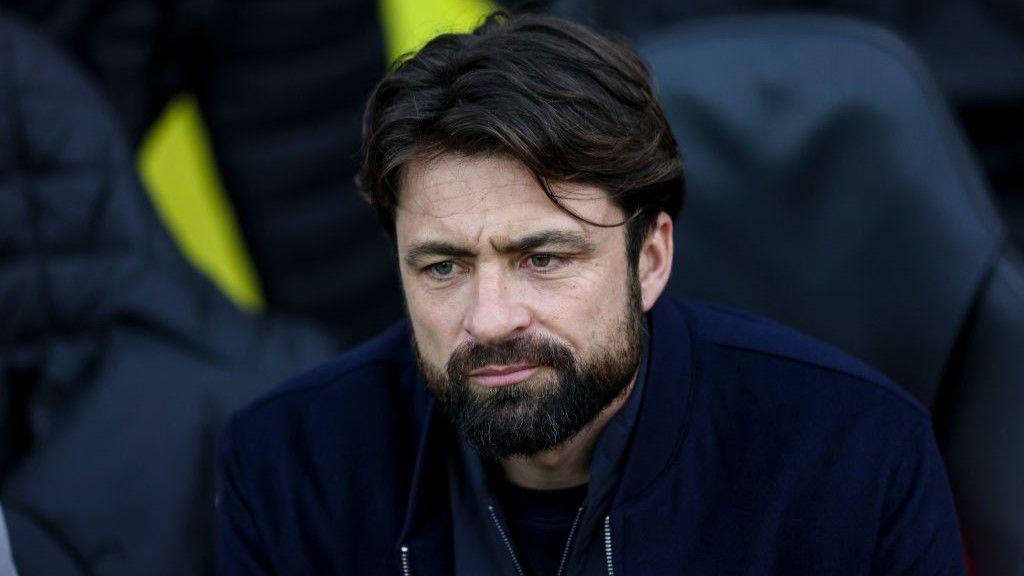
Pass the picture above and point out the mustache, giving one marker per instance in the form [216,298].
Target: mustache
[519,350]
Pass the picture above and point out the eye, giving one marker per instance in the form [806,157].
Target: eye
[544,262]
[540,260]
[442,269]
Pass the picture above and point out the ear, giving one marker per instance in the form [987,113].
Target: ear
[655,263]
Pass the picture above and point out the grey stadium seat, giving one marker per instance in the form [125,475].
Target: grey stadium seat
[829,188]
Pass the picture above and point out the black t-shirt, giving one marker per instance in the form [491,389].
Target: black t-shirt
[539,522]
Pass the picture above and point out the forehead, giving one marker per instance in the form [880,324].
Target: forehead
[480,199]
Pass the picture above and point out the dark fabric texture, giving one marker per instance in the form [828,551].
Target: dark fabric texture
[281,86]
[540,523]
[118,363]
[829,189]
[756,451]
[478,544]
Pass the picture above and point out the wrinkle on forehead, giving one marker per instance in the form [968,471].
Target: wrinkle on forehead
[494,197]
[452,185]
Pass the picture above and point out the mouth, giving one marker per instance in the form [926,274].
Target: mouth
[495,376]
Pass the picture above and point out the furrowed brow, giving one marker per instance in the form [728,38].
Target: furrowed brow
[419,252]
[555,239]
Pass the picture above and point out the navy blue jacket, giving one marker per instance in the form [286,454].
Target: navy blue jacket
[756,451]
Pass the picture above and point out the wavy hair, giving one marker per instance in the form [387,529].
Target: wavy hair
[568,103]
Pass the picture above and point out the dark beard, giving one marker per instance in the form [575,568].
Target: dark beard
[554,405]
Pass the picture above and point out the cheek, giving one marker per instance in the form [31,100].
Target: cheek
[435,324]
[585,310]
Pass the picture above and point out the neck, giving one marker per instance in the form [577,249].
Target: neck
[567,464]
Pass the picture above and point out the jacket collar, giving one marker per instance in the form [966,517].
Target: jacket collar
[665,407]
[425,543]
[659,431]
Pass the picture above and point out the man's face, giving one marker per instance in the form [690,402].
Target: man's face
[527,321]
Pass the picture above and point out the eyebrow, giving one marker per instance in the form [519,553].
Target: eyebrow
[562,239]
[424,250]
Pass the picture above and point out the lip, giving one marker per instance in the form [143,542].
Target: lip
[495,376]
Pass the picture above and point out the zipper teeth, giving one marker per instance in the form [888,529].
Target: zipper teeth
[406,570]
[568,542]
[505,540]
[608,544]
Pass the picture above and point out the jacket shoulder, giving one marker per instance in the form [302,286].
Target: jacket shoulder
[365,389]
[388,349]
[742,334]
[330,448]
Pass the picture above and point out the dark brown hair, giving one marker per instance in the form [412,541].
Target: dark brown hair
[568,103]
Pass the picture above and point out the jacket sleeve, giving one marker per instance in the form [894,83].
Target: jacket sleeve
[240,550]
[919,533]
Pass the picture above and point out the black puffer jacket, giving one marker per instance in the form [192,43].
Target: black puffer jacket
[118,362]
[281,88]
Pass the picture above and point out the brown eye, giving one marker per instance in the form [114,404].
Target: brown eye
[540,260]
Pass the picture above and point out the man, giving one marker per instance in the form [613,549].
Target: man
[544,410]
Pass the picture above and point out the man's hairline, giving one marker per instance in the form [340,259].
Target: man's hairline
[426,158]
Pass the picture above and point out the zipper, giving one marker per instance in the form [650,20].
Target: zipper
[568,542]
[608,544]
[505,540]
[406,569]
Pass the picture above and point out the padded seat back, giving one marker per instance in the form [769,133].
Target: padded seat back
[829,188]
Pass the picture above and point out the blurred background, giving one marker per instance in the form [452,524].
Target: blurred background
[180,229]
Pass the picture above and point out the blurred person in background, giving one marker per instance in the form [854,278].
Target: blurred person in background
[119,362]
[546,409]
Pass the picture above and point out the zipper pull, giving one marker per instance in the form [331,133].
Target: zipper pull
[406,569]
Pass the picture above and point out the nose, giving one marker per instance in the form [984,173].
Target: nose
[496,312]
